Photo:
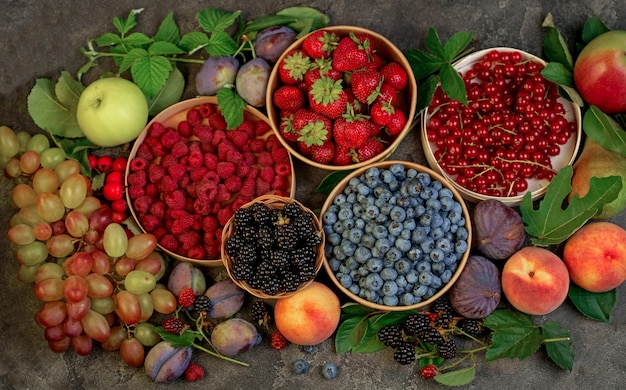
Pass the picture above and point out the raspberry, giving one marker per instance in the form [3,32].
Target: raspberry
[232,184]
[272,142]
[429,371]
[158,150]
[177,171]
[194,116]
[262,187]
[186,297]
[206,109]
[138,178]
[197,173]
[210,161]
[198,252]
[248,126]
[174,325]
[278,341]
[257,145]
[267,174]
[155,172]
[222,193]
[224,215]
[189,239]
[185,129]
[181,226]
[170,138]
[248,188]
[142,204]
[239,137]
[209,223]
[217,121]
[175,199]
[225,169]
[280,154]
[135,192]
[265,159]
[150,222]
[157,208]
[167,184]
[283,168]
[261,128]
[156,130]
[151,190]
[280,183]
[169,242]
[138,164]
[201,207]
[225,147]
[203,132]
[242,170]
[143,151]
[180,149]
[194,372]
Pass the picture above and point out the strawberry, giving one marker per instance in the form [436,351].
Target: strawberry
[353,52]
[387,93]
[323,154]
[293,67]
[375,62]
[320,43]
[355,105]
[312,128]
[366,84]
[319,68]
[371,148]
[328,98]
[288,97]
[380,112]
[286,129]
[343,156]
[395,75]
[351,131]
[396,123]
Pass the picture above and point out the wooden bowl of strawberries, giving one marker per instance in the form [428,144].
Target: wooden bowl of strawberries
[341,97]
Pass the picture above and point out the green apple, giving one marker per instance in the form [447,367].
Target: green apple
[112,111]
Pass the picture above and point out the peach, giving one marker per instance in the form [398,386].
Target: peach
[595,256]
[535,280]
[310,316]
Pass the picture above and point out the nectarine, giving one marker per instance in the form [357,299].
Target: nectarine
[535,280]
[595,256]
[310,316]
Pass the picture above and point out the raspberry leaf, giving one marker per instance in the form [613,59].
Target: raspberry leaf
[460,377]
[452,84]
[214,20]
[596,306]
[558,345]
[231,105]
[514,335]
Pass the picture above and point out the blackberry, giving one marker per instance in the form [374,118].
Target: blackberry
[174,325]
[202,306]
[431,336]
[291,281]
[445,320]
[280,259]
[472,327]
[266,237]
[286,236]
[243,217]
[261,213]
[260,313]
[442,305]
[447,349]
[293,210]
[390,335]
[417,323]
[404,353]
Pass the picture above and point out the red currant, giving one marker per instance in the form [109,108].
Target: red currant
[104,163]
[119,164]
[113,191]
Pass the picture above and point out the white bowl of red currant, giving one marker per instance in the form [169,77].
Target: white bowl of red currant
[514,135]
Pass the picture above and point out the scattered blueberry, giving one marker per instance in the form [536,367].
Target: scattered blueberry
[329,370]
[301,366]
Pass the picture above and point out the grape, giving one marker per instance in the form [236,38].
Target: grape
[72,327]
[101,264]
[132,352]
[49,271]
[139,282]
[60,245]
[271,42]
[33,253]
[26,273]
[99,286]
[42,231]
[54,333]
[45,180]
[96,326]
[23,137]
[147,306]
[147,335]
[124,266]
[251,81]
[58,227]
[9,143]
[49,206]
[149,264]
[49,290]
[38,143]
[23,195]
[52,157]
[51,313]
[29,162]
[29,215]
[66,168]
[216,72]
[75,288]
[4,160]
[164,300]
[78,310]
[117,335]
[127,307]
[21,234]
[161,259]
[12,168]
[74,190]
[100,218]
[76,223]
[115,240]
[89,205]
[103,305]
[79,263]
[140,246]
[59,346]
[81,344]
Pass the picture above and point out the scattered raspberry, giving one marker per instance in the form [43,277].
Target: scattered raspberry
[225,147]
[429,371]
[280,183]
[248,126]
[194,372]
[187,297]
[157,208]
[218,137]
[278,341]
[248,187]
[151,190]
[209,223]
[242,170]
[224,215]
[197,173]
[272,142]
[195,158]
[155,172]
[174,325]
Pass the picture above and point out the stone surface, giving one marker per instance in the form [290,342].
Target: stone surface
[40,39]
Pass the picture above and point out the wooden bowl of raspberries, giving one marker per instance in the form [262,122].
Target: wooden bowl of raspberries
[273,246]
[341,97]
[187,174]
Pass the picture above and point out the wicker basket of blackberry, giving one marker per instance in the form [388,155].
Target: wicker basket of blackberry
[273,246]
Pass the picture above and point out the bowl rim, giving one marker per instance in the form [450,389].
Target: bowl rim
[508,200]
[462,261]
[410,97]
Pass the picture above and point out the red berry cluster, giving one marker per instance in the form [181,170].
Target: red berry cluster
[113,188]
[186,182]
[509,131]
[339,101]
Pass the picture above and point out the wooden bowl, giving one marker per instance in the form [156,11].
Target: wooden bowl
[171,117]
[389,52]
[339,189]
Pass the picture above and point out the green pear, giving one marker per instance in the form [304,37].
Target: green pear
[599,162]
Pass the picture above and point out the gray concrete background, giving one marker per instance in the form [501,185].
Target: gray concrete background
[40,39]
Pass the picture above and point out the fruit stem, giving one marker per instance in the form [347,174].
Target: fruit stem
[93,55]
[219,355]
[557,340]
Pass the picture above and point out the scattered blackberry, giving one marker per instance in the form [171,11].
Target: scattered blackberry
[174,325]
[202,306]
[417,323]
[445,320]
[260,313]
[404,353]
[447,349]
[442,305]
[390,335]
[431,336]
[472,327]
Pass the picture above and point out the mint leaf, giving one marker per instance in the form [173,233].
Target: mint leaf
[350,333]
[514,335]
[49,113]
[150,74]
[168,30]
[596,306]
[329,182]
[552,224]
[558,345]
[603,129]
[193,41]
[232,106]
[214,20]
[125,25]
[452,84]
[592,28]
[460,377]
[169,94]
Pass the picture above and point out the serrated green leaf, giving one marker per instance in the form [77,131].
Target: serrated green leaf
[433,43]
[331,180]
[150,74]
[108,39]
[171,92]
[76,149]
[232,106]
[596,306]
[133,56]
[124,25]
[160,48]
[221,44]
[457,44]
[562,351]
[460,377]
[514,342]
[186,339]
[452,84]
[350,333]
[423,64]
[49,113]
[308,19]
[592,28]
[555,48]
[552,224]
[168,30]
[502,318]
[213,20]
[558,73]
[426,91]
[136,39]
[193,41]
[97,181]
[604,130]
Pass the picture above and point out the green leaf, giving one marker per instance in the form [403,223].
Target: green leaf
[514,335]
[169,94]
[168,30]
[193,41]
[221,44]
[124,25]
[369,341]
[150,74]
[457,44]
[108,39]
[562,351]
[558,73]
[77,149]
[433,43]
[214,20]
[460,377]
[231,105]
[131,58]
[592,28]
[331,180]
[49,113]
[555,48]
[426,91]
[355,309]
[596,306]
[604,130]
[571,94]
[136,39]
[186,339]
[268,21]
[423,64]
[552,224]
[308,19]
[452,84]
[160,48]
[350,333]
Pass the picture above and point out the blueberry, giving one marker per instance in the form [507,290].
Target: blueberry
[363,271]
[347,224]
[461,233]
[403,266]
[389,288]
[387,176]
[380,231]
[372,173]
[412,276]
[388,273]
[369,294]
[394,185]
[308,348]
[383,245]
[398,170]
[373,281]
[420,291]
[329,217]
[338,253]
[433,204]
[437,232]
[408,299]
[426,278]
[358,210]
[345,213]
[363,189]
[333,238]
[347,247]
[339,199]
[450,259]
[338,227]
[436,282]
[393,254]
[423,266]
[420,234]
[395,228]
[402,244]
[403,202]
[437,219]
[401,281]
[409,224]
[446,276]
[436,255]
[334,263]
[354,289]
[414,253]
[447,202]
[344,280]
[371,211]
[374,264]
[428,244]
[301,366]
[390,300]
[438,267]
[424,178]
[424,219]
[460,246]
[355,235]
